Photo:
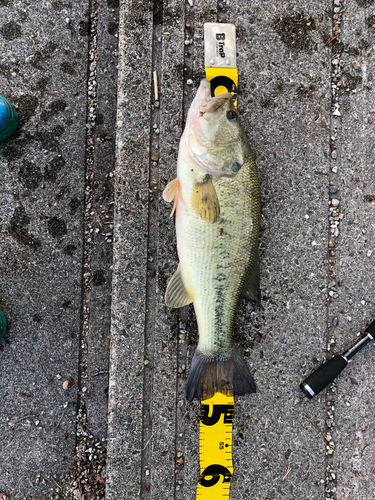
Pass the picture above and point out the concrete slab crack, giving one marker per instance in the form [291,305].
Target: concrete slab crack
[88,473]
[334,218]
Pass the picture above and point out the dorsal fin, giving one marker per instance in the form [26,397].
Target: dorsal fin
[176,294]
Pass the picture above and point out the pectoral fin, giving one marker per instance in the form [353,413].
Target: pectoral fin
[252,289]
[172,191]
[205,201]
[176,294]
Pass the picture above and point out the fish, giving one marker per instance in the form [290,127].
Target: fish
[216,201]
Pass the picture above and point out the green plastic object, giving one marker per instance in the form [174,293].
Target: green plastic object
[3,324]
[8,118]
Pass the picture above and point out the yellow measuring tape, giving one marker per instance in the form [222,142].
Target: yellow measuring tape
[215,440]
[215,447]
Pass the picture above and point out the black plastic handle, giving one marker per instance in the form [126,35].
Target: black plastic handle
[323,376]
[327,373]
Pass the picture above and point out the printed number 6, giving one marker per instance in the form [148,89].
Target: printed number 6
[214,472]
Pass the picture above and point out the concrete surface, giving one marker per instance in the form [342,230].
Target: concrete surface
[314,146]
[285,68]
[56,284]
[43,61]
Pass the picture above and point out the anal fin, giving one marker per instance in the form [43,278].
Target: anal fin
[205,201]
[176,294]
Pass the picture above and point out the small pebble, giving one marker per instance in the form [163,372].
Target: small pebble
[369,253]
[356,65]
[335,202]
[189,82]
[334,170]
[66,385]
[336,113]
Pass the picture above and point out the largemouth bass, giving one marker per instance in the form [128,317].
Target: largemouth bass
[217,203]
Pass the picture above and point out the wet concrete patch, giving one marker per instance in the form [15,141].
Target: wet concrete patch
[365,4]
[56,227]
[267,102]
[18,229]
[364,44]
[112,28]
[26,106]
[74,204]
[53,108]
[305,92]
[41,85]
[68,68]
[84,28]
[52,170]
[295,31]
[59,6]
[11,31]
[47,138]
[69,250]
[30,175]
[352,81]
[98,277]
[5,70]
[43,55]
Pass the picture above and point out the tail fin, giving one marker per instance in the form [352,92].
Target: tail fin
[225,372]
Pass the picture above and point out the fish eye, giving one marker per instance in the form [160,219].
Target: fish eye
[231,115]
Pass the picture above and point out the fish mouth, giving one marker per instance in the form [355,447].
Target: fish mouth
[213,105]
[205,105]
